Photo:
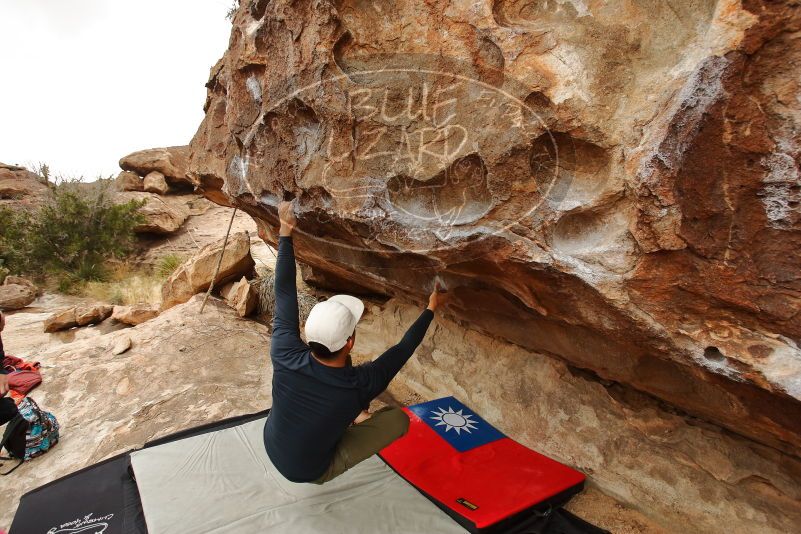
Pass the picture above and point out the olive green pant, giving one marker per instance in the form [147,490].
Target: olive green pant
[363,440]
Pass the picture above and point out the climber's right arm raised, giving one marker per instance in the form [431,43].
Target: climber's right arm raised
[287,347]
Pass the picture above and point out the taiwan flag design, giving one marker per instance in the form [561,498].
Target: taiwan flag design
[473,470]
[456,423]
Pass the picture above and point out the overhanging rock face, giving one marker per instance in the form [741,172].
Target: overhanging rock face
[616,186]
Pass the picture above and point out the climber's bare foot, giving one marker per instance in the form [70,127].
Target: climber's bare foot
[364,416]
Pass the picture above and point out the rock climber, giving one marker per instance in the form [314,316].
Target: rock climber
[318,426]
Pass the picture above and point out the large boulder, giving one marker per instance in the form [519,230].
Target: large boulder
[170,161]
[163,215]
[77,316]
[619,188]
[16,296]
[129,181]
[629,442]
[155,183]
[134,314]
[195,275]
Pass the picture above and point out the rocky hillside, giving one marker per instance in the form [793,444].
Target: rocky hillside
[617,188]
[178,220]
[21,188]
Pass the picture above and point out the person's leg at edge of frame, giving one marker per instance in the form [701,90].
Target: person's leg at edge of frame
[365,439]
[8,409]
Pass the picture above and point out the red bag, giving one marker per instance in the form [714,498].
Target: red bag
[24,381]
[22,376]
[12,363]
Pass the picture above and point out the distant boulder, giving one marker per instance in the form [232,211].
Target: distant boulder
[77,316]
[172,162]
[134,315]
[21,281]
[16,296]
[60,320]
[156,183]
[129,181]
[93,314]
[163,215]
[20,186]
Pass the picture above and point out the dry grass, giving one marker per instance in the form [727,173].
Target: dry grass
[126,285]
[138,289]
[265,286]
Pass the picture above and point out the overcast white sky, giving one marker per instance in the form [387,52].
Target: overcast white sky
[85,82]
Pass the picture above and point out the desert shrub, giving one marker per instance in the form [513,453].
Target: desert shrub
[231,13]
[167,265]
[71,236]
[41,169]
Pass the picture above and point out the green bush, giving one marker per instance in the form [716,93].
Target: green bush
[167,265]
[71,236]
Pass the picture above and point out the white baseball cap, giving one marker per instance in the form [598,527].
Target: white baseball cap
[332,321]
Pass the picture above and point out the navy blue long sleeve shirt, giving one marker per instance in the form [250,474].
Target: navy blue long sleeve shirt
[313,404]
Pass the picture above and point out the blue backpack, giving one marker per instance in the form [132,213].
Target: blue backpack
[31,433]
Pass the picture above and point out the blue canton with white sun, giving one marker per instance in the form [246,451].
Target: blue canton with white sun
[454,420]
[456,423]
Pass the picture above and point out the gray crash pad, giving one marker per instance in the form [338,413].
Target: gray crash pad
[224,481]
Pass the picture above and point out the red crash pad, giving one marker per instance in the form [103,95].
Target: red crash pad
[474,472]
